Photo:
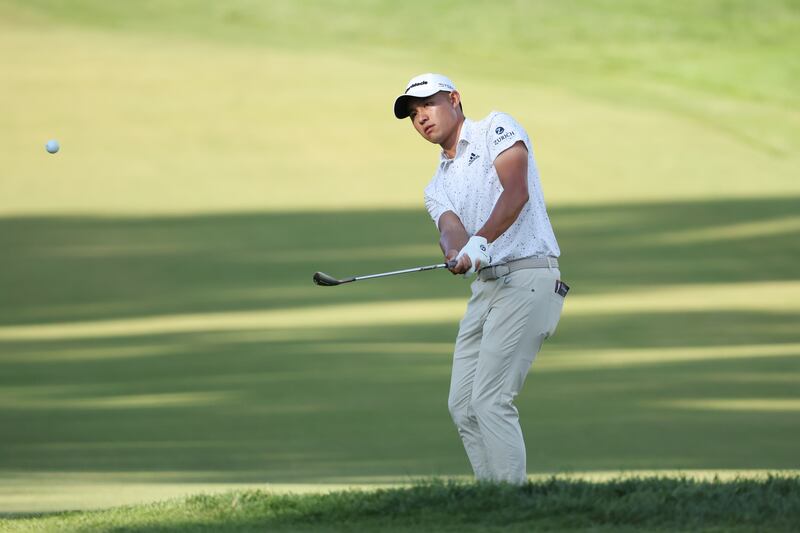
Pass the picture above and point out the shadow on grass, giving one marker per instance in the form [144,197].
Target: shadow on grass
[329,403]
[75,268]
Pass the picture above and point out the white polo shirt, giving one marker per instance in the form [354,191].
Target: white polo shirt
[468,186]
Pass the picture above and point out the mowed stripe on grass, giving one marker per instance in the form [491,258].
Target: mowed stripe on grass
[692,297]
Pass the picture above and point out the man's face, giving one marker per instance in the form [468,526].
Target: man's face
[436,116]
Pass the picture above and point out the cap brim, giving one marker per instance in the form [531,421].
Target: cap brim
[401,103]
[401,106]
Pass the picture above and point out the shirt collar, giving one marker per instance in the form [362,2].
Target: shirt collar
[463,138]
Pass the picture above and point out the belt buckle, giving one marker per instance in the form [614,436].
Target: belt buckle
[488,273]
[499,267]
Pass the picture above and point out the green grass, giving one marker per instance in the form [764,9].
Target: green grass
[624,37]
[306,400]
[194,107]
[158,326]
[647,504]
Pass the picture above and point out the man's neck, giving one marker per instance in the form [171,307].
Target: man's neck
[450,145]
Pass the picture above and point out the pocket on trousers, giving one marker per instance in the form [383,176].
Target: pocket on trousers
[556,304]
[555,307]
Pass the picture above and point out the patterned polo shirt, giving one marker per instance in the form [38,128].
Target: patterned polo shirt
[468,186]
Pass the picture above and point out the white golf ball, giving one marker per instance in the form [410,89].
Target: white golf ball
[52,146]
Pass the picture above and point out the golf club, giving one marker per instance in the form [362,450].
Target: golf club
[325,280]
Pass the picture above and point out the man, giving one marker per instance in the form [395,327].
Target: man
[486,200]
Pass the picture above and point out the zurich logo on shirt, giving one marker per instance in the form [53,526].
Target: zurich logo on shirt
[499,129]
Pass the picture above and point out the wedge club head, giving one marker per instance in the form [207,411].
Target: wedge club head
[325,280]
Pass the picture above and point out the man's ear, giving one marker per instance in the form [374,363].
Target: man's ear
[455,98]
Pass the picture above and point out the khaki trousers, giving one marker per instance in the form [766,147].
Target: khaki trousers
[505,324]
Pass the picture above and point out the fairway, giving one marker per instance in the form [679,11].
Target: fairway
[211,363]
[160,334]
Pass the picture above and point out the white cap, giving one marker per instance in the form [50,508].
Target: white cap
[421,86]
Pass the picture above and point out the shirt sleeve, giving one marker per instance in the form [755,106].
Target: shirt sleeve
[436,201]
[503,133]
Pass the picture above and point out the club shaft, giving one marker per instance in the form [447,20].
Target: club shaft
[406,271]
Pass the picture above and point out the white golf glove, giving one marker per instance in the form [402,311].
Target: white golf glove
[477,249]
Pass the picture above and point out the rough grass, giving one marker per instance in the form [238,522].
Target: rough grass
[646,504]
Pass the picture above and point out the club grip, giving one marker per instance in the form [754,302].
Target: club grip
[451,263]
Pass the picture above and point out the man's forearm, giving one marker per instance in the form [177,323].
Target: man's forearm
[506,210]
[453,241]
[453,235]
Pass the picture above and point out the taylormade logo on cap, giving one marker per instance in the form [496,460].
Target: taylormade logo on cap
[421,86]
[423,82]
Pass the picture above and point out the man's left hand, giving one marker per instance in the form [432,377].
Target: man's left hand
[473,256]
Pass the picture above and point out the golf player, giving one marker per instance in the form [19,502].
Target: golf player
[486,200]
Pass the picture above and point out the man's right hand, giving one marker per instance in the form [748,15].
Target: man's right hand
[459,266]
[453,238]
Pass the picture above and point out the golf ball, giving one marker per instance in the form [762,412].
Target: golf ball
[52,146]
